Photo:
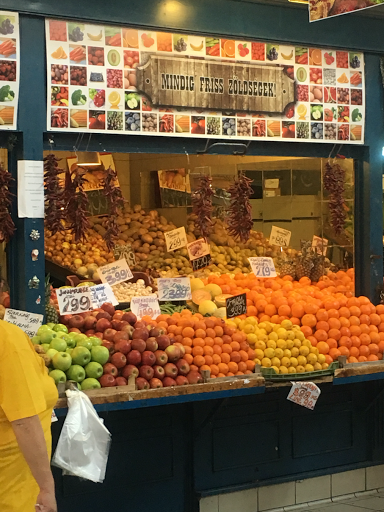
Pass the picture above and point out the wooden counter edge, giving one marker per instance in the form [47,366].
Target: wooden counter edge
[367,369]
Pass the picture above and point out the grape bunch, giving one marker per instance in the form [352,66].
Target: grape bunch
[272,54]
[355,62]
[181,45]
[6,27]
[76,35]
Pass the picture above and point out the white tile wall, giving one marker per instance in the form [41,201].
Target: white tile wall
[314,491]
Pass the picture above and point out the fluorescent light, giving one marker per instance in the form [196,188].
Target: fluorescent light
[299,1]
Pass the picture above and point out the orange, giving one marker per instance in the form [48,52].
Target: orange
[298,310]
[235,345]
[218,341]
[331,342]
[352,360]
[227,348]
[309,320]
[365,339]
[375,319]
[344,341]
[316,57]
[217,349]
[381,346]
[208,351]
[373,328]
[323,347]
[334,353]
[209,342]
[344,351]
[242,366]
[364,350]
[236,336]
[334,323]
[365,329]
[354,351]
[355,311]
[375,337]
[328,359]
[232,367]
[243,355]
[345,322]
[355,330]
[321,335]
[362,359]
[198,351]
[229,48]
[355,340]
[373,348]
[199,333]
[345,312]
[250,365]
[344,331]
[223,368]
[208,359]
[333,313]
[188,358]
[373,357]
[214,370]
[216,359]
[284,311]
[198,360]
[354,320]
[235,356]
[306,330]
[198,342]
[334,333]
[225,358]
[322,315]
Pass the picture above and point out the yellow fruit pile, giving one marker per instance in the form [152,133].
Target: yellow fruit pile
[282,347]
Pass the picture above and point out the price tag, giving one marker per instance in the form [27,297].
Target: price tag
[320,244]
[177,288]
[198,248]
[271,183]
[74,300]
[304,394]
[28,322]
[202,262]
[262,267]
[126,252]
[236,305]
[102,293]
[53,417]
[175,239]
[115,273]
[280,236]
[145,306]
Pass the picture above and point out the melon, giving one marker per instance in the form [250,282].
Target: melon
[196,284]
[199,296]
[213,289]
[207,307]
[220,300]
[220,313]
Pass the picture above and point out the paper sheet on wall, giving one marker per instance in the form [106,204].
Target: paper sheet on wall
[30,189]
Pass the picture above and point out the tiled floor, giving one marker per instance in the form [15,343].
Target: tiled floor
[361,504]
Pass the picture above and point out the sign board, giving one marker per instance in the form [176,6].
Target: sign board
[125,252]
[304,394]
[321,9]
[28,322]
[175,239]
[115,273]
[74,300]
[132,80]
[280,236]
[145,306]
[10,69]
[175,288]
[320,244]
[236,305]
[262,267]
[198,248]
[102,293]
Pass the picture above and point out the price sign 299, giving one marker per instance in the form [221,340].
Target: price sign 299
[74,300]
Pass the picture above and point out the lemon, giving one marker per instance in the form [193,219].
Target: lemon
[300,369]
[268,327]
[312,358]
[271,344]
[276,369]
[259,353]
[241,325]
[248,329]
[283,369]
[290,344]
[287,353]
[321,358]
[295,352]
[279,353]
[314,350]
[300,335]
[269,352]
[294,362]
[282,334]
[286,324]
[114,98]
[317,366]
[262,332]
[275,361]
[304,351]
[296,343]
[266,362]
[281,344]
[232,324]
[325,366]
[276,327]
[306,343]
[260,344]
[273,336]
[309,368]
[237,321]
[257,361]
[291,335]
[263,337]
[301,110]
[292,369]
[285,361]
[251,320]
[262,325]
[251,338]
[302,360]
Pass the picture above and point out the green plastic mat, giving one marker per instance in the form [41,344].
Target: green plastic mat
[270,374]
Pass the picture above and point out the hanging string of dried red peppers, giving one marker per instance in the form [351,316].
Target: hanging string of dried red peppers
[7,227]
[239,218]
[334,180]
[55,212]
[202,205]
[77,202]
[115,201]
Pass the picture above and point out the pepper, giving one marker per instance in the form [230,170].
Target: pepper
[334,178]
[239,219]
[7,226]
[202,205]
[54,195]
[115,202]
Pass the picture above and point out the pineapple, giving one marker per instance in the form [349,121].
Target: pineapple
[287,267]
[305,264]
[51,315]
[318,266]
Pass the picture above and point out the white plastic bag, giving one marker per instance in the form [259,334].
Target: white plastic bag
[84,441]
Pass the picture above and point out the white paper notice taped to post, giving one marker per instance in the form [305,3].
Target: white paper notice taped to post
[30,189]
[304,394]
[28,322]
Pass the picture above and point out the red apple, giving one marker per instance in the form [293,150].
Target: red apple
[142,383]
[110,369]
[181,380]
[109,345]
[64,319]
[74,329]
[109,334]
[139,344]
[95,312]
[103,314]
[119,360]
[161,357]
[163,341]
[159,372]
[154,332]
[173,353]
[183,367]
[194,377]
[123,346]
[142,334]
[128,329]
[170,370]
[107,381]
[76,321]
[168,382]
[90,322]
[148,358]
[120,381]
[134,357]
[129,370]
[181,347]
[120,335]
[146,372]
[151,344]
[108,307]
[103,324]
[140,325]
[90,332]
[130,318]
[116,324]
[155,383]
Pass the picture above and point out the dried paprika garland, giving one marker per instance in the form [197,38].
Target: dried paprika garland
[77,202]
[202,205]
[334,179]
[239,218]
[55,212]
[115,202]
[7,226]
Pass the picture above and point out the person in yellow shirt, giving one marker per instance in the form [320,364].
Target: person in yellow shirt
[27,398]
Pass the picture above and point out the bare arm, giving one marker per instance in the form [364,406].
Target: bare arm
[30,437]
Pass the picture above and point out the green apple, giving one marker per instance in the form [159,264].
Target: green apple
[76,373]
[69,351]
[90,384]
[45,347]
[79,386]
[79,337]
[94,370]
[70,341]
[81,356]
[100,355]
[59,344]
[51,325]
[61,334]
[85,343]
[58,376]
[73,334]
[62,361]
[51,352]
[47,336]
[42,328]
[36,340]
[95,341]
[60,328]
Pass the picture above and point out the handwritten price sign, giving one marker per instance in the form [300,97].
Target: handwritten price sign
[74,300]
[125,252]
[175,239]
[115,273]
[320,244]
[236,305]
[262,267]
[102,293]
[28,322]
[304,394]
[145,306]
[198,248]
[280,236]
[178,288]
